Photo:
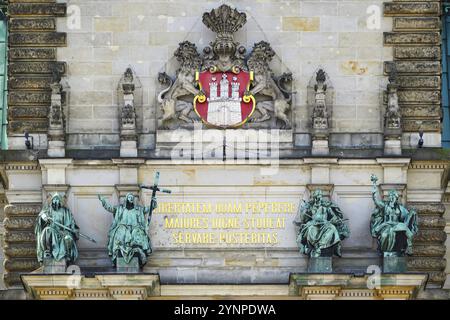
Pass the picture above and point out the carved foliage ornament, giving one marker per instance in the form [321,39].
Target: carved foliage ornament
[220,86]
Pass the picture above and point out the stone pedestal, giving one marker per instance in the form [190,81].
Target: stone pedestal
[56,149]
[100,287]
[394,265]
[351,287]
[124,267]
[320,147]
[51,266]
[327,189]
[320,265]
[392,147]
[128,149]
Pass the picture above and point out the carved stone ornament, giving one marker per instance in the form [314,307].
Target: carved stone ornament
[56,119]
[393,118]
[223,87]
[128,112]
[320,112]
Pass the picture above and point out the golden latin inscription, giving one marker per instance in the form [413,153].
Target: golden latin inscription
[226,223]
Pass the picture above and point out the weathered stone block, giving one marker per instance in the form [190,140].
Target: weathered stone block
[429,221]
[22,250]
[432,250]
[19,236]
[424,125]
[45,39]
[34,83]
[19,223]
[437,277]
[421,111]
[411,8]
[17,112]
[28,97]
[409,38]
[32,53]
[431,67]
[431,53]
[300,23]
[31,209]
[37,9]
[426,263]
[415,96]
[428,208]
[20,126]
[33,24]
[431,235]
[23,264]
[419,81]
[36,67]
[414,23]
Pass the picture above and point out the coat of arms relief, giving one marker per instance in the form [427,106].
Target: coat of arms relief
[225,86]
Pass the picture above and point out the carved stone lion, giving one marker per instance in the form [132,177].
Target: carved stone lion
[264,84]
[190,62]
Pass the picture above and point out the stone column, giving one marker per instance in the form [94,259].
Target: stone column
[128,134]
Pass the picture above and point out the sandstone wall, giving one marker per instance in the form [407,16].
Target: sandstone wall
[344,37]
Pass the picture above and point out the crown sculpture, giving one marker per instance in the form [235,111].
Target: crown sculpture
[224,86]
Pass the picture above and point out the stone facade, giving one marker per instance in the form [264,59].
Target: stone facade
[415,38]
[111,151]
[33,40]
[305,35]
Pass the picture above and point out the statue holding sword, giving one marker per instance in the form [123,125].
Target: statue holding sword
[56,232]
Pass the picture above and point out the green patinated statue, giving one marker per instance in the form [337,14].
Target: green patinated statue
[392,224]
[56,232]
[128,236]
[322,227]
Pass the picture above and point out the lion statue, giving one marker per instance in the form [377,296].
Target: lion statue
[183,85]
[265,84]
